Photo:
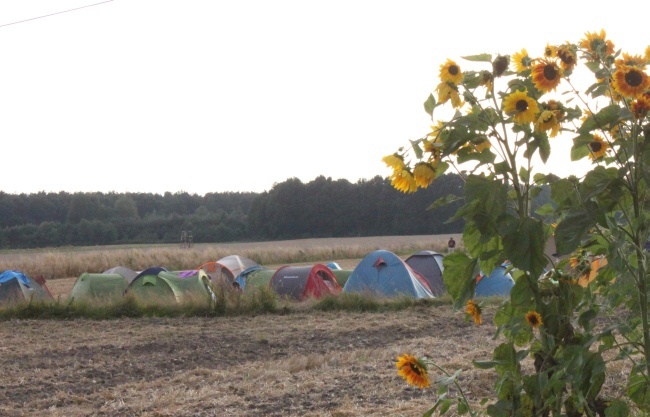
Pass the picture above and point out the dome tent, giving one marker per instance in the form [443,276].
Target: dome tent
[227,269]
[167,287]
[127,273]
[498,283]
[104,287]
[429,265]
[15,286]
[302,282]
[384,273]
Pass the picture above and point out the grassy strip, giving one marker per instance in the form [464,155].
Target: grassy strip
[228,303]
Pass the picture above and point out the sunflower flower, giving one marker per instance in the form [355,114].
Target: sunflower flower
[630,81]
[394,161]
[631,60]
[474,310]
[546,75]
[448,92]
[521,107]
[595,45]
[450,72]
[413,370]
[568,57]
[402,180]
[550,51]
[424,174]
[598,147]
[547,121]
[487,80]
[534,319]
[522,61]
[641,106]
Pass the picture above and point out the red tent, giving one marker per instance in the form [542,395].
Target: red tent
[302,282]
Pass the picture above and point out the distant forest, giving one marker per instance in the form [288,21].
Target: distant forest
[290,210]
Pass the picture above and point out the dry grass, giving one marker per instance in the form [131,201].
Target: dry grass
[72,262]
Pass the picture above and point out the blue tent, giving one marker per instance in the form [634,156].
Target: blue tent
[497,283]
[16,286]
[383,273]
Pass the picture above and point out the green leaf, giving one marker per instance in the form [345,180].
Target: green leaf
[463,407]
[415,145]
[486,364]
[448,380]
[580,149]
[602,120]
[459,277]
[524,246]
[443,201]
[478,58]
[430,104]
[572,229]
[617,408]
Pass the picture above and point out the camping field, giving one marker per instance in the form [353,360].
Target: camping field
[297,362]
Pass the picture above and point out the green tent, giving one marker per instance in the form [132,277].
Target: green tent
[256,279]
[168,287]
[93,287]
[342,275]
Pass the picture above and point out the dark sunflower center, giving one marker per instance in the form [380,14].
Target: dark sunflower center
[633,78]
[415,369]
[453,69]
[522,105]
[533,320]
[567,58]
[550,73]
[595,146]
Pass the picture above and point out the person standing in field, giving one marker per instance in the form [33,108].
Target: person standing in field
[451,245]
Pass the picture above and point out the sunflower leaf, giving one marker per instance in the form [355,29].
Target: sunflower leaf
[430,104]
[415,145]
[478,58]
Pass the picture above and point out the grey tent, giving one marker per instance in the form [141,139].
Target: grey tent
[127,273]
[429,265]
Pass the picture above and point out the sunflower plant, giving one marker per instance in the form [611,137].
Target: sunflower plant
[500,121]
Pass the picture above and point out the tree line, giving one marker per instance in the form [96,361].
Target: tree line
[290,210]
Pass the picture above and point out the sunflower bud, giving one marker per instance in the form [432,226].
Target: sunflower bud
[500,65]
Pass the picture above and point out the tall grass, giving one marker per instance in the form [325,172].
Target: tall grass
[72,262]
[258,301]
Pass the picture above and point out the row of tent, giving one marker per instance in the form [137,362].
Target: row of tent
[380,273]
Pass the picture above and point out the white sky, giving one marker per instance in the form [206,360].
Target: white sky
[214,96]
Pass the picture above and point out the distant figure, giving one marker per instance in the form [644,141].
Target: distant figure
[451,245]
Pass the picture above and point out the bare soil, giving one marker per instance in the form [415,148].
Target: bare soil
[297,364]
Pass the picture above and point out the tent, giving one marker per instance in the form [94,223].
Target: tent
[342,275]
[168,287]
[499,282]
[244,277]
[226,269]
[383,273]
[127,273]
[429,265]
[16,287]
[257,278]
[103,287]
[302,282]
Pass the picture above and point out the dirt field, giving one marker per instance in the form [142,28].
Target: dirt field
[298,364]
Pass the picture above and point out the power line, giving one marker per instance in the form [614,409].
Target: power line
[52,14]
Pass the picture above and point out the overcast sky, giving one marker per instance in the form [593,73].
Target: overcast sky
[214,96]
